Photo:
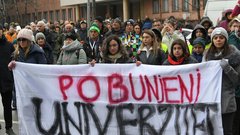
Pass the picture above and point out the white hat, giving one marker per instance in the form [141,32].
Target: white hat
[219,31]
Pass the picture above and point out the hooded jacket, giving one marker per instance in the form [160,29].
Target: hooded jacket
[72,54]
[203,30]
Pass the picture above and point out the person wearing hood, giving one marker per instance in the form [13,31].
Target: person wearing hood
[41,41]
[6,81]
[199,31]
[228,18]
[198,48]
[229,57]
[72,51]
[206,23]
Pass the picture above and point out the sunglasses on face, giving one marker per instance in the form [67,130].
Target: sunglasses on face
[21,39]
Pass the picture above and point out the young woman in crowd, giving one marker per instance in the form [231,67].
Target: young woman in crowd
[26,51]
[230,63]
[149,52]
[179,54]
[72,51]
[113,51]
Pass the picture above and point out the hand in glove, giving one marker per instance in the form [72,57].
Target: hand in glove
[225,66]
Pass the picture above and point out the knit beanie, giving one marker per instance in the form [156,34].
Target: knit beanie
[147,25]
[117,20]
[25,33]
[94,27]
[40,35]
[99,18]
[219,31]
[199,41]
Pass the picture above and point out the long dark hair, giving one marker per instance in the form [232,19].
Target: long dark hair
[213,50]
[106,43]
[184,48]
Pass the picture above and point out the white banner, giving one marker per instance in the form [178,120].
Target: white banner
[119,99]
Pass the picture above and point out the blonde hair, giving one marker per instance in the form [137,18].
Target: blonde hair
[16,52]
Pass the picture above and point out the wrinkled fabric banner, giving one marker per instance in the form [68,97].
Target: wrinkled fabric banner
[119,99]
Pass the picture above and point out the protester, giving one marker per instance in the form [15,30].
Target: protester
[227,19]
[234,36]
[210,31]
[93,44]
[6,81]
[206,23]
[230,59]
[149,52]
[169,33]
[158,34]
[198,48]
[199,31]
[179,54]
[41,41]
[116,28]
[26,51]
[114,51]
[72,51]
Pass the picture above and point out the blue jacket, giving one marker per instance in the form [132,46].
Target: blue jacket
[36,55]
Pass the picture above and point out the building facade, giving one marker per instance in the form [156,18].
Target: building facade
[24,11]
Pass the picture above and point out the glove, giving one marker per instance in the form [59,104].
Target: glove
[225,66]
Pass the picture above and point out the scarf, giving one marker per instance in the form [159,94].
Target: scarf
[173,62]
[114,57]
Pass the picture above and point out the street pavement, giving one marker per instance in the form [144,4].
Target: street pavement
[15,121]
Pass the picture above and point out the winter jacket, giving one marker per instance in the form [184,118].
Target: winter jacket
[151,59]
[168,39]
[230,80]
[48,53]
[6,78]
[234,40]
[72,54]
[203,30]
[35,55]
[93,53]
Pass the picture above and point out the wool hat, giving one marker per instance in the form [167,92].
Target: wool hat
[147,25]
[130,21]
[219,31]
[40,35]
[117,20]
[94,27]
[70,35]
[25,33]
[157,33]
[199,41]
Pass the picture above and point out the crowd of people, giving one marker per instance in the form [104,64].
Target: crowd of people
[151,41]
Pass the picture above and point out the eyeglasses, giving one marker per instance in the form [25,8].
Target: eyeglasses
[21,39]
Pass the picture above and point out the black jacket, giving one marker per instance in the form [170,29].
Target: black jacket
[6,78]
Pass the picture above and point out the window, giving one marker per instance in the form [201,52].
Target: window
[64,14]
[185,5]
[45,15]
[175,5]
[165,6]
[70,14]
[39,15]
[155,6]
[51,15]
[57,15]
[195,4]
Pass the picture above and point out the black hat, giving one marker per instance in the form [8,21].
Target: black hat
[83,21]
[199,41]
[70,35]
[157,33]
[99,18]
